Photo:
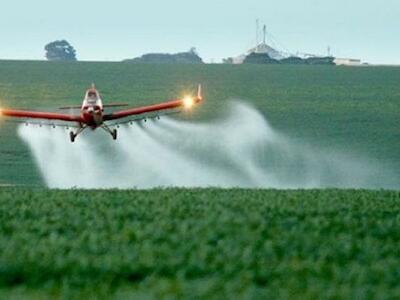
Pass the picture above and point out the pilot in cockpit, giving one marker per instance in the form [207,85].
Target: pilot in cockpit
[92,95]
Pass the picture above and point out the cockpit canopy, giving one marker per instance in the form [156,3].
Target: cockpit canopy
[92,100]
[92,95]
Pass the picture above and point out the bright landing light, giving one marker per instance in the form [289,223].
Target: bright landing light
[188,102]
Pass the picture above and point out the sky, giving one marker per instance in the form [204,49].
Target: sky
[120,29]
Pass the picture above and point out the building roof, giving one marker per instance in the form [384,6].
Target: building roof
[264,48]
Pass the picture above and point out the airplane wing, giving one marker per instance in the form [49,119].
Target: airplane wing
[186,102]
[40,115]
[44,123]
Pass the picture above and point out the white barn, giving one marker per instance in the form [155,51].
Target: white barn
[347,62]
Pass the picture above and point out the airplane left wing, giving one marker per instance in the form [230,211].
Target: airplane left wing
[39,115]
[186,102]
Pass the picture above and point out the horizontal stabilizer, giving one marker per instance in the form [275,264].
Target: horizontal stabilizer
[115,105]
[70,107]
[105,106]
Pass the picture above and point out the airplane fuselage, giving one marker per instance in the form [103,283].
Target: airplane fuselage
[92,118]
[92,109]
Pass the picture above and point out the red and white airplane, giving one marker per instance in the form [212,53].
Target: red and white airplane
[92,113]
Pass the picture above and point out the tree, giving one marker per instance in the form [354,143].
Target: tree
[60,51]
[193,50]
[228,60]
[190,57]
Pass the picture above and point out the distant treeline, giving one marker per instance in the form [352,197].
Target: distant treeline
[190,57]
[264,58]
[63,51]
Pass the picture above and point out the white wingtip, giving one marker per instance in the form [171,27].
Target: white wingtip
[199,95]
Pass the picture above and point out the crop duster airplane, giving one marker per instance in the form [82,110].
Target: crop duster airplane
[92,113]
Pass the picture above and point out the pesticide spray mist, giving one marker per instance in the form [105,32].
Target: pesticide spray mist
[239,150]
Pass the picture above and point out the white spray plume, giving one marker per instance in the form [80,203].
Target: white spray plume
[240,150]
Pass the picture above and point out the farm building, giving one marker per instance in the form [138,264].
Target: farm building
[347,62]
[264,53]
[260,48]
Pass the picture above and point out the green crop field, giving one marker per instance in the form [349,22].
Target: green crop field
[206,243]
[199,244]
[354,110]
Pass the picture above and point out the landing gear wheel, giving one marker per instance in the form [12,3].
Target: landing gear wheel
[114,134]
[72,136]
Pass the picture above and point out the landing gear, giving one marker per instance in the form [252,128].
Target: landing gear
[112,132]
[73,135]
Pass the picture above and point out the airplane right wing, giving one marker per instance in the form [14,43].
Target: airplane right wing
[186,102]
